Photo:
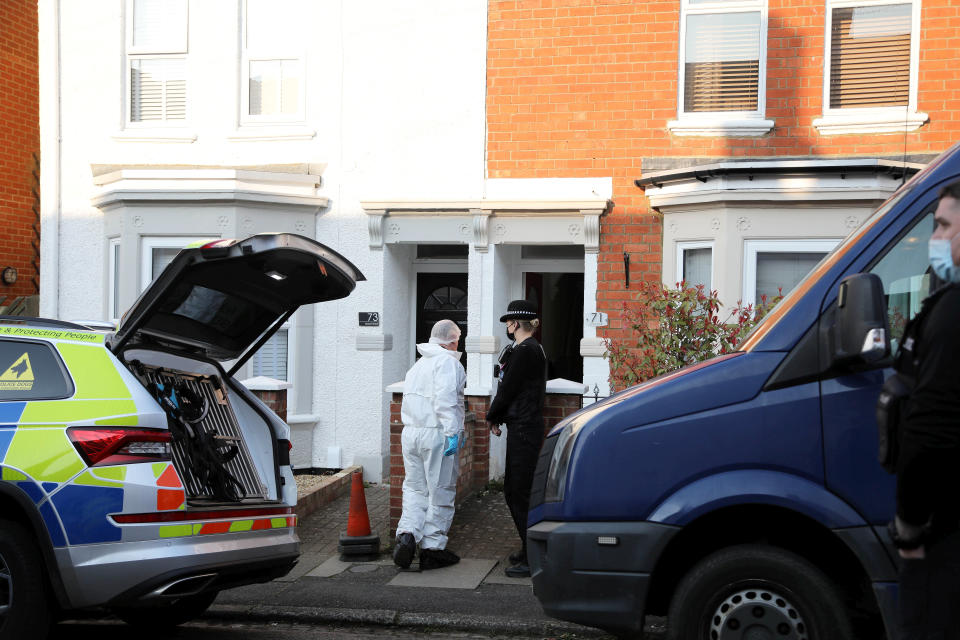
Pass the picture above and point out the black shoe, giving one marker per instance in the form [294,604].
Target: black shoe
[518,557]
[404,550]
[437,558]
[519,570]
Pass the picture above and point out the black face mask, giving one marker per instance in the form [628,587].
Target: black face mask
[509,335]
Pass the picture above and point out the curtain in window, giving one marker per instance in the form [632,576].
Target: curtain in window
[722,62]
[696,267]
[780,272]
[870,56]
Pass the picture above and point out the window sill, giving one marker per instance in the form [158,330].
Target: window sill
[155,135]
[273,132]
[710,127]
[831,125]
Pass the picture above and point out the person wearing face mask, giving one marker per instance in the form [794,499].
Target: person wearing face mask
[926,528]
[432,412]
[519,405]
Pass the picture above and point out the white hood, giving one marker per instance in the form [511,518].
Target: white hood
[433,391]
[430,350]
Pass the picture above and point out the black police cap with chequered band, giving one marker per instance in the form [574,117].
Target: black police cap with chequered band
[520,310]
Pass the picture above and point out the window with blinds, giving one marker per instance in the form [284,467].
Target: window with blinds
[723,57]
[156,58]
[778,273]
[721,70]
[158,89]
[270,360]
[870,56]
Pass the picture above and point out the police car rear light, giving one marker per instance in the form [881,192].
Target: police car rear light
[213,514]
[103,446]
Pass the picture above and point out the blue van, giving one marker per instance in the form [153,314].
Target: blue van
[744,492]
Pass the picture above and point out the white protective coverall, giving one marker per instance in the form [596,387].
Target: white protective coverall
[432,409]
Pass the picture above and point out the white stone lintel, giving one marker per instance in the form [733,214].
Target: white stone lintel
[475,207]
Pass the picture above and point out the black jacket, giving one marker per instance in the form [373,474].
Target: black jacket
[928,467]
[519,399]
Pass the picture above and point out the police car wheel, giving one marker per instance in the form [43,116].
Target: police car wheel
[24,607]
[756,591]
[169,614]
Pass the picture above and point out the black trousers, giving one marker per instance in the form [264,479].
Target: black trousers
[930,593]
[523,449]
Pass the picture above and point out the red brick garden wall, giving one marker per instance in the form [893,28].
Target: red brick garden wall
[585,88]
[276,400]
[19,146]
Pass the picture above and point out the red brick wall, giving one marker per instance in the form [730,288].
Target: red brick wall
[474,457]
[19,145]
[276,400]
[585,88]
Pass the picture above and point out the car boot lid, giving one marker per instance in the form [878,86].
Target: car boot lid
[225,298]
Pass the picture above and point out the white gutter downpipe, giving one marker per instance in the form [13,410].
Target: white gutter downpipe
[50,156]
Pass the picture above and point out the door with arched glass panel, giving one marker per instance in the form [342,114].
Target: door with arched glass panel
[441,296]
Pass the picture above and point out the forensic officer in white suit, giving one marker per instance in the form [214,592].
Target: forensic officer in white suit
[432,414]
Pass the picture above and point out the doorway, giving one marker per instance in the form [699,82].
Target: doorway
[559,300]
[441,296]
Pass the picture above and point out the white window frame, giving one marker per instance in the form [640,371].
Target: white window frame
[294,52]
[134,52]
[797,245]
[872,119]
[149,243]
[686,245]
[113,280]
[290,326]
[722,123]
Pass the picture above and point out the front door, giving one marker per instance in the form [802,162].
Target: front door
[559,299]
[441,296]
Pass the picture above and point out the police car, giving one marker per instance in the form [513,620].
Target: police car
[136,473]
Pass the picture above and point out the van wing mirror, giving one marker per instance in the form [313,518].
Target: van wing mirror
[861,332]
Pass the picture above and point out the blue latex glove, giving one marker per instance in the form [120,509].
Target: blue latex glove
[453,443]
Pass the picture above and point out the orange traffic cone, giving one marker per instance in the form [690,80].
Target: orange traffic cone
[358,543]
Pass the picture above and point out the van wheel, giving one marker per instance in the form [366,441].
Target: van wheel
[169,614]
[756,591]
[24,608]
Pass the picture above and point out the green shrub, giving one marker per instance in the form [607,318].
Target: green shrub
[667,329]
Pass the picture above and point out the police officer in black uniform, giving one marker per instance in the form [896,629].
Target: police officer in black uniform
[519,404]
[927,525]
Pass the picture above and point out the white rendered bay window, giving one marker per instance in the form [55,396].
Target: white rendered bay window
[156,62]
[722,68]
[272,359]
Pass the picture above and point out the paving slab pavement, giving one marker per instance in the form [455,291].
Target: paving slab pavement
[473,595]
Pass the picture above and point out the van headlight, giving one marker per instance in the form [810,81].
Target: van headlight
[557,473]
